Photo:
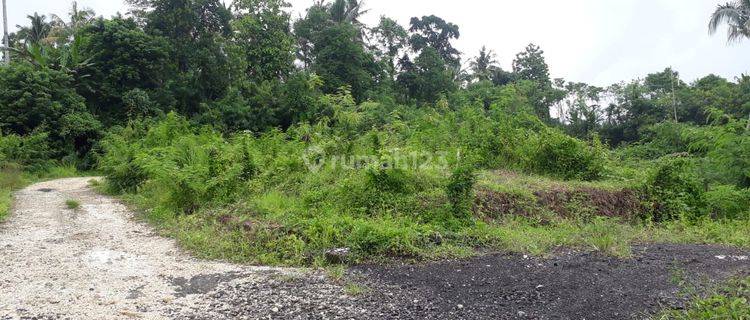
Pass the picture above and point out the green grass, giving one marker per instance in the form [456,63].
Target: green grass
[6,198]
[509,181]
[13,178]
[72,204]
[355,289]
[283,235]
[731,301]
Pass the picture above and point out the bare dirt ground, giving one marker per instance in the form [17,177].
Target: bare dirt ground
[569,285]
[97,262]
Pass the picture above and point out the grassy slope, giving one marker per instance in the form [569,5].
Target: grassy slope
[242,234]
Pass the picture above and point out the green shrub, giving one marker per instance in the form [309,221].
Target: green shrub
[186,169]
[556,154]
[675,191]
[460,190]
[728,202]
[72,204]
[117,161]
[31,152]
[388,180]
[730,161]
[6,198]
[11,176]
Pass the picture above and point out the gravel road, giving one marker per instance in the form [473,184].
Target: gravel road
[98,262]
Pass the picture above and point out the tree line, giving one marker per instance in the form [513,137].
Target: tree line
[249,66]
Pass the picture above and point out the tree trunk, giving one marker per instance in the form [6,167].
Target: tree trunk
[6,40]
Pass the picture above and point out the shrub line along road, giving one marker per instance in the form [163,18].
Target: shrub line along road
[97,262]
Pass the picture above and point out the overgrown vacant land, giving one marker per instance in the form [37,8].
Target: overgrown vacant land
[257,199]
[256,138]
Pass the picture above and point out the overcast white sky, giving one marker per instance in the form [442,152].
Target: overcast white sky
[594,41]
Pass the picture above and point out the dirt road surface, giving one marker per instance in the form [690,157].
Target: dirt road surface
[95,262]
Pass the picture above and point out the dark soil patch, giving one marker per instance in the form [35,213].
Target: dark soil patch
[567,286]
[202,284]
[621,203]
[563,202]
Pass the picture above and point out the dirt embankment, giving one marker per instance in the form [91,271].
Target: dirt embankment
[563,202]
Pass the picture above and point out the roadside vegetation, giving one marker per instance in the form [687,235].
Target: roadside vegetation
[729,301]
[254,137]
[13,178]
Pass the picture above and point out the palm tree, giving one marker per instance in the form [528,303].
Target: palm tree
[36,41]
[736,15]
[483,65]
[80,18]
[350,11]
[63,31]
[38,32]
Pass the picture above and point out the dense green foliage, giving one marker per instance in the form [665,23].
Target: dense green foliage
[125,72]
[253,136]
[44,101]
[382,192]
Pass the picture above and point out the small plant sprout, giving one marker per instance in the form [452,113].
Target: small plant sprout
[73,204]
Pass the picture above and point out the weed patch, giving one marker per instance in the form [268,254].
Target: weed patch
[730,301]
[72,204]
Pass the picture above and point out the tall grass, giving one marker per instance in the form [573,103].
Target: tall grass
[11,178]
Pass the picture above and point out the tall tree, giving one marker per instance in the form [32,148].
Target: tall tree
[664,87]
[262,34]
[197,32]
[125,64]
[34,43]
[37,33]
[530,66]
[391,38]
[307,29]
[581,112]
[736,15]
[34,99]
[348,11]
[434,32]
[427,78]
[335,52]
[63,31]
